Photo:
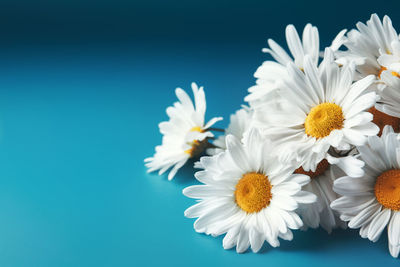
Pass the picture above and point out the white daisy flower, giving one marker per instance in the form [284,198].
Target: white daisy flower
[322,108]
[366,43]
[240,123]
[185,135]
[247,195]
[372,201]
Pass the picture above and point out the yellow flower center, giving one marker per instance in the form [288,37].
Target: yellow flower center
[381,119]
[323,119]
[321,168]
[253,192]
[387,189]
[197,146]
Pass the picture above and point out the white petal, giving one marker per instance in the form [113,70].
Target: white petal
[243,242]
[286,188]
[230,238]
[364,216]
[301,179]
[204,191]
[212,122]
[394,229]
[305,197]
[237,152]
[394,250]
[352,186]
[378,224]
[256,240]
[284,202]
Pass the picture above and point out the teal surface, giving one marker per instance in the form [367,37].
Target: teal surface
[83,86]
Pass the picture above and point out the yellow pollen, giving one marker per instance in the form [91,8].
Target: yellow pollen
[196,129]
[253,192]
[387,189]
[321,168]
[395,74]
[323,119]
[381,119]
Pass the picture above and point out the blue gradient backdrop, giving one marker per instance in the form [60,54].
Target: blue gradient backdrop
[83,85]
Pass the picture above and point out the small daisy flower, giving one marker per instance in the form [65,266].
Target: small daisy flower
[185,135]
[247,195]
[372,201]
[366,43]
[240,123]
[323,108]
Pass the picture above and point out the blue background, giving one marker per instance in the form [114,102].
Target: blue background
[83,85]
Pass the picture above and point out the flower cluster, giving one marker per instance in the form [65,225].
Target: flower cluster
[316,145]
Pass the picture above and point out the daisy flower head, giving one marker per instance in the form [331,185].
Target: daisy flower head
[372,201]
[365,45]
[247,195]
[185,135]
[323,108]
[240,123]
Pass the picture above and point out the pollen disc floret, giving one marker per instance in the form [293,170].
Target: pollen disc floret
[387,189]
[322,119]
[253,192]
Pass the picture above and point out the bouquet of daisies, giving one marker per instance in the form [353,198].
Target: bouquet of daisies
[316,146]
